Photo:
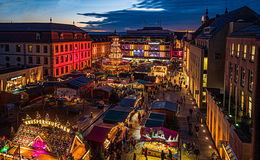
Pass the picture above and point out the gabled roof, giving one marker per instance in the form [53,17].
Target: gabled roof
[243,13]
[78,82]
[39,27]
[165,105]
[113,116]
[249,31]
[100,132]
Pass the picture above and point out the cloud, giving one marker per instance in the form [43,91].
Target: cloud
[171,14]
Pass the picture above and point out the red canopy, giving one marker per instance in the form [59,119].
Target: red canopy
[99,132]
[160,134]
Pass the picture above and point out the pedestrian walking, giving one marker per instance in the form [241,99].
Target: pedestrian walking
[134,158]
[162,155]
[146,153]
[170,154]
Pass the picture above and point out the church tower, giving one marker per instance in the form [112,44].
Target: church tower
[205,18]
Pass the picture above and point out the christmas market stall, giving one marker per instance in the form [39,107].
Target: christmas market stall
[103,92]
[100,139]
[158,139]
[155,120]
[166,107]
[42,138]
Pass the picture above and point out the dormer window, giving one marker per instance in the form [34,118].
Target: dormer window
[207,29]
[61,36]
[38,36]
[84,35]
[75,36]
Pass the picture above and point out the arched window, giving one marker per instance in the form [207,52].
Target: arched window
[38,36]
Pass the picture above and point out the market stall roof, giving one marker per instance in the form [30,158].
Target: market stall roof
[157,116]
[100,132]
[154,123]
[105,88]
[122,109]
[114,116]
[127,102]
[78,82]
[165,105]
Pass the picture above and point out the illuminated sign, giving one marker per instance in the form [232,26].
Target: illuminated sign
[14,78]
[48,123]
[154,43]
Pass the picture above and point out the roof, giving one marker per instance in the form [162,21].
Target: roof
[243,13]
[249,31]
[100,38]
[157,116]
[99,132]
[165,105]
[39,27]
[154,123]
[105,88]
[122,109]
[114,116]
[78,82]
[127,102]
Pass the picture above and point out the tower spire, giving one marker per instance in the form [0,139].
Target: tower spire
[226,11]
[50,19]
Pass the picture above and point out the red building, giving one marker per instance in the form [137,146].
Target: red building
[60,48]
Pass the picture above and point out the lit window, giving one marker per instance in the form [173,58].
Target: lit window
[204,97]
[30,48]
[238,49]
[250,107]
[205,65]
[232,49]
[245,51]
[243,76]
[204,82]
[252,54]
[242,100]
[236,73]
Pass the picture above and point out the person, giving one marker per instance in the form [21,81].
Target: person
[170,154]
[134,158]
[146,153]
[162,155]
[197,153]
[191,110]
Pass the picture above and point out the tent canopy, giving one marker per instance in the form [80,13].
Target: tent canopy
[165,105]
[99,132]
[114,116]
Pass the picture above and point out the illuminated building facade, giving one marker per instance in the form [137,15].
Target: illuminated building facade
[14,78]
[147,43]
[100,46]
[207,51]
[59,48]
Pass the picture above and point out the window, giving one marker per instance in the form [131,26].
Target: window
[242,100]
[30,48]
[18,59]
[81,46]
[67,69]
[61,59]
[75,36]
[238,50]
[57,71]
[56,48]
[71,57]
[245,51]
[250,106]
[37,48]
[46,61]
[232,49]
[66,48]
[61,48]
[62,70]
[71,47]
[252,59]
[38,36]
[7,48]
[7,58]
[38,60]
[76,46]
[250,80]
[61,36]
[57,60]
[46,72]
[31,60]
[45,49]
[205,64]
[85,45]
[66,58]
[243,76]
[236,73]
[18,48]
[204,81]
[230,70]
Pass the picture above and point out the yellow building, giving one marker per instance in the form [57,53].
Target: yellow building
[13,78]
[100,46]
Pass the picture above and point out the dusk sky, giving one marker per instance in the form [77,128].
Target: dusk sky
[121,15]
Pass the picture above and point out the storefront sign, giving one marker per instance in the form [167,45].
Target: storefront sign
[14,78]
[48,123]
[153,43]
[160,134]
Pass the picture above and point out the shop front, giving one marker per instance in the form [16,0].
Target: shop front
[158,139]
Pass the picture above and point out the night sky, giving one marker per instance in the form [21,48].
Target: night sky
[108,15]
